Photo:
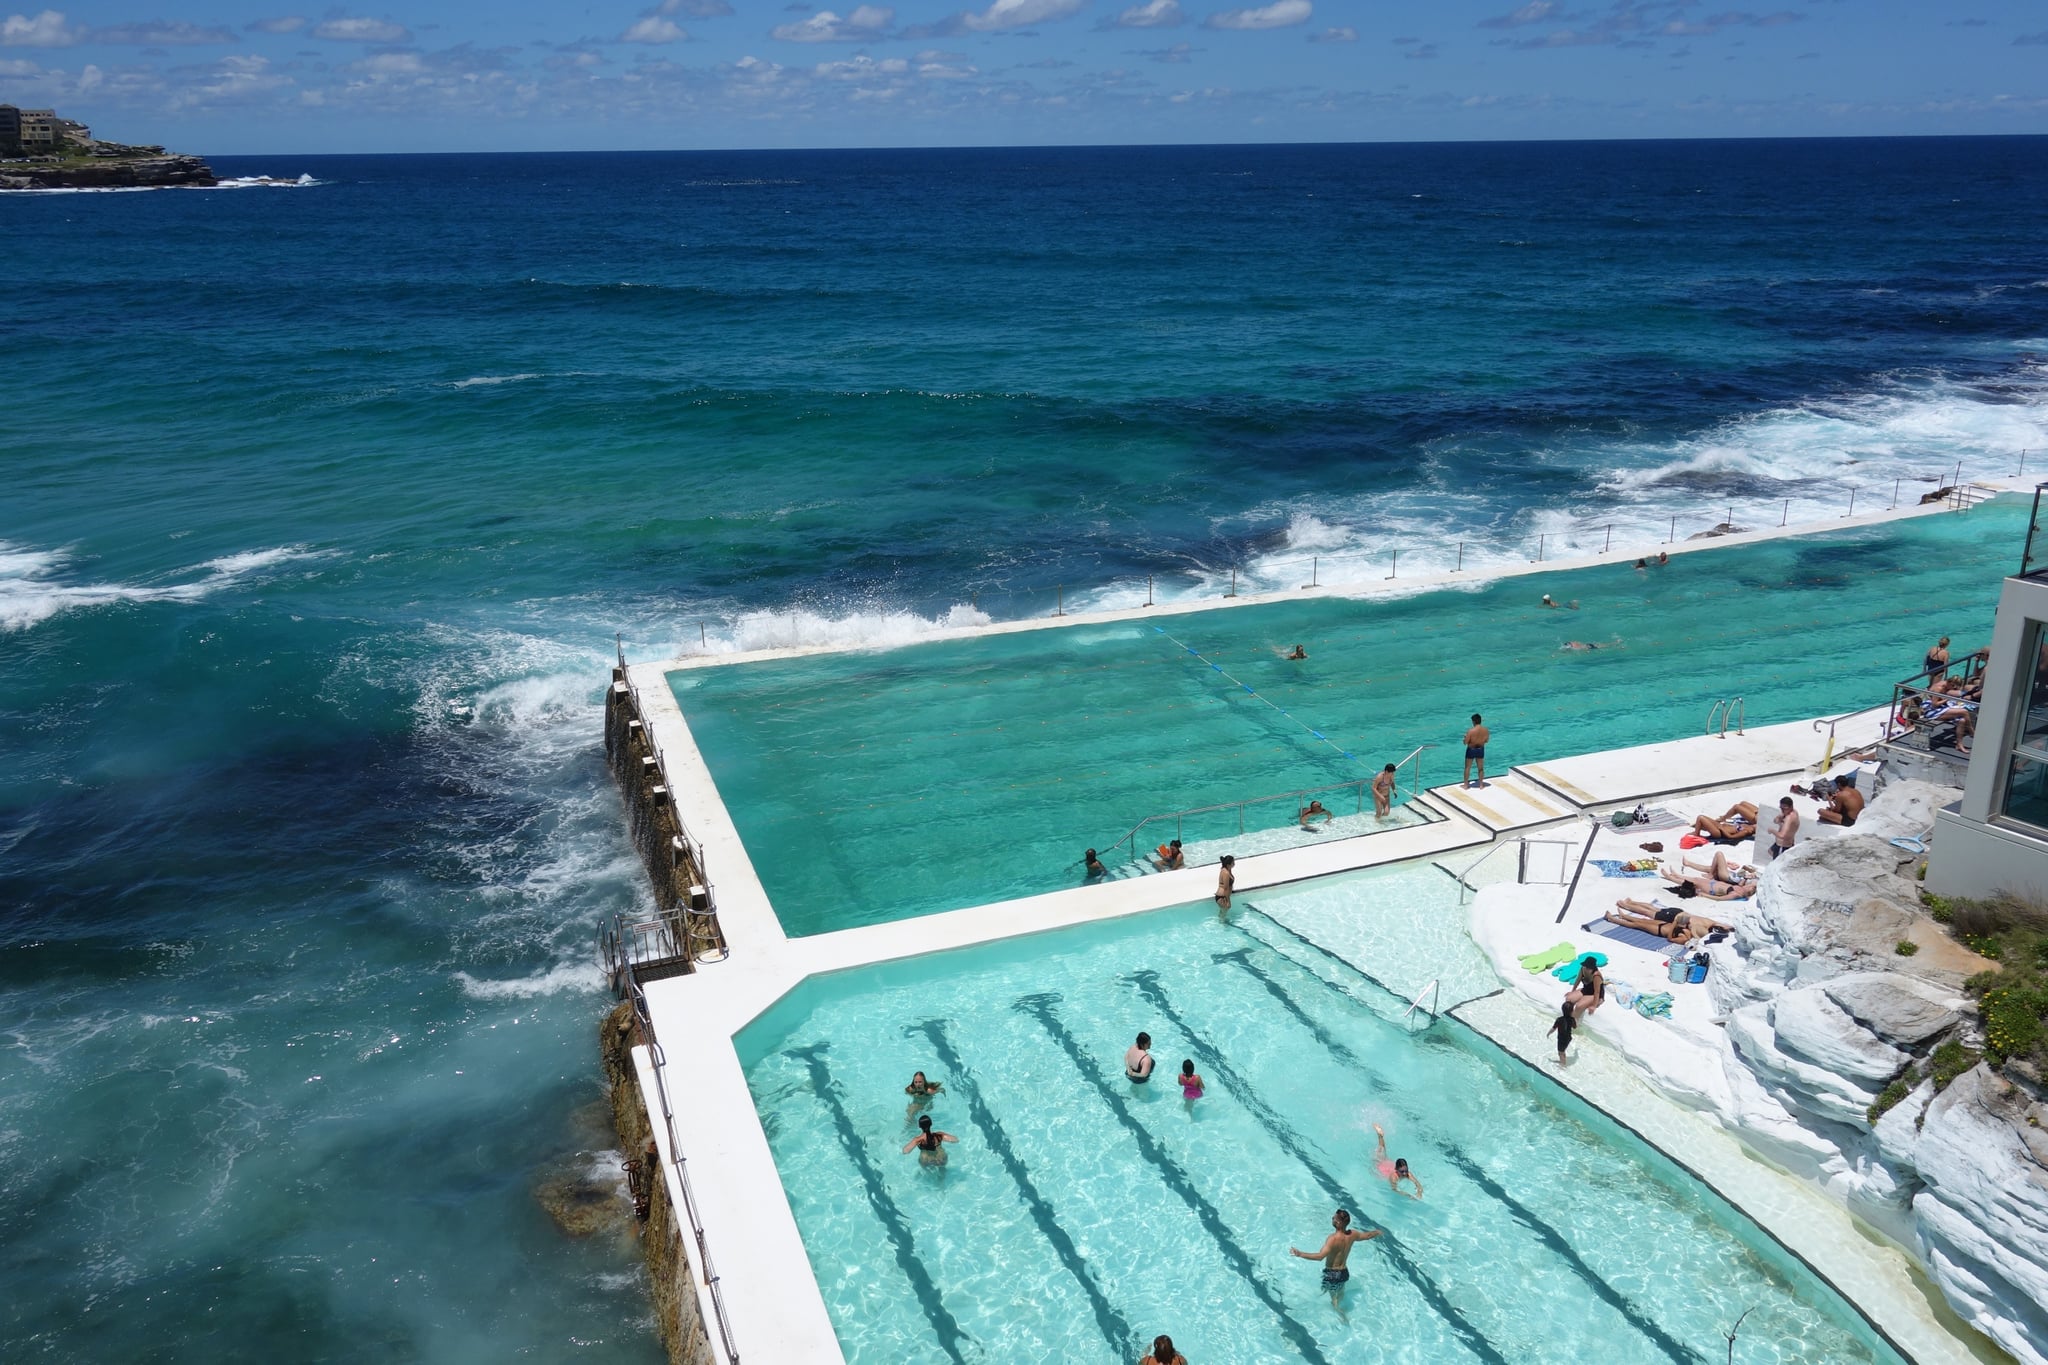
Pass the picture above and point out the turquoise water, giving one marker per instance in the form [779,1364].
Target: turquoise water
[876,786]
[1078,1216]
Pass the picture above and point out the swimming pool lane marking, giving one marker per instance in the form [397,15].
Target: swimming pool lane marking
[1544,1231]
[1277,1128]
[1040,1007]
[893,1222]
[1115,1330]
[1250,692]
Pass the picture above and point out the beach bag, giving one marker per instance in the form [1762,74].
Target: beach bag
[1676,969]
[1622,819]
[1696,970]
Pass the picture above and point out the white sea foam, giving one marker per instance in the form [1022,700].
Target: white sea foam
[233,182]
[879,628]
[489,380]
[580,977]
[32,589]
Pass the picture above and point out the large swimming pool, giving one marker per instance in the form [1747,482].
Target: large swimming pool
[881,785]
[1079,1215]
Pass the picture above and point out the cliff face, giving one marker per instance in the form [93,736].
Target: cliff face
[126,173]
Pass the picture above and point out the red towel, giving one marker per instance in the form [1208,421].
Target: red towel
[1690,841]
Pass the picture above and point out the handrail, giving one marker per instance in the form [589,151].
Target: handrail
[1585,853]
[1965,670]
[1729,710]
[658,1064]
[1465,888]
[1435,984]
[1360,785]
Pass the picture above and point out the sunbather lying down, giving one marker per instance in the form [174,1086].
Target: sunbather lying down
[1680,926]
[1738,822]
[1719,880]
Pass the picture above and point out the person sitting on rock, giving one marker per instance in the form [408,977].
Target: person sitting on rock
[1842,803]
[1735,824]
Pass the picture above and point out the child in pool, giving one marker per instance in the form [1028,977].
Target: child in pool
[1190,1083]
[1395,1171]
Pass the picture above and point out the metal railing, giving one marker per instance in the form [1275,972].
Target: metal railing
[687,915]
[1361,787]
[2031,567]
[1433,988]
[1725,713]
[1966,672]
[1522,878]
[659,1065]
[1002,599]
[695,849]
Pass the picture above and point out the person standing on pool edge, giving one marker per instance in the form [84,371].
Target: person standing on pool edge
[1475,750]
[1226,882]
[1336,1254]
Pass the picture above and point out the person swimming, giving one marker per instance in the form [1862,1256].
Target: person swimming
[920,1091]
[927,1143]
[1299,653]
[1092,866]
[1394,1171]
[1190,1083]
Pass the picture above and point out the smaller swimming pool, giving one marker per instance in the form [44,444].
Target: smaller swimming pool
[1080,1215]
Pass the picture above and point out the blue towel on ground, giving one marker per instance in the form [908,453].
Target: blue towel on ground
[1621,933]
[1570,970]
[1615,867]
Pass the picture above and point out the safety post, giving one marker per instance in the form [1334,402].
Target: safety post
[702,643]
[1315,571]
[1672,539]
[1539,547]
[1060,602]
[1895,495]
[1233,582]
[1148,590]
[1784,515]
[1610,539]
[1397,565]
[1852,502]
[1461,558]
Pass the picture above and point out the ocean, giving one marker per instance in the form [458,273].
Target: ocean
[324,506]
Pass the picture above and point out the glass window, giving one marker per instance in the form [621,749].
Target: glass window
[2026,769]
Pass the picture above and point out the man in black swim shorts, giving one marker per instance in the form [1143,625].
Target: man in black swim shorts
[1336,1253]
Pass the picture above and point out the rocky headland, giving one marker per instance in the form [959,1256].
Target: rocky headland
[144,171]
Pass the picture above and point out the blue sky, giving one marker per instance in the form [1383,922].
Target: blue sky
[228,76]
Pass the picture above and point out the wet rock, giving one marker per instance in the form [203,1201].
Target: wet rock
[585,1194]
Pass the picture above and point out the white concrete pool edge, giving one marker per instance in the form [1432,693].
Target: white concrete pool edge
[1866,1269]
[779,1314]
[1393,587]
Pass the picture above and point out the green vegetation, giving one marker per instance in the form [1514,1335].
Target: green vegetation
[2013,932]
[1905,947]
[1937,907]
[1949,1061]
[1890,1096]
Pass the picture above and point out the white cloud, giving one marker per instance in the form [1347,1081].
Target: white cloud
[393,64]
[863,25]
[654,30]
[863,66]
[1279,14]
[362,31]
[1021,13]
[290,23]
[46,29]
[1342,34]
[162,34]
[695,9]
[1151,14]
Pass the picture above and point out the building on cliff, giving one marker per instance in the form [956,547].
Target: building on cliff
[37,132]
[1996,837]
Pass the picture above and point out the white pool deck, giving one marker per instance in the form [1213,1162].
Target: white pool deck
[779,1315]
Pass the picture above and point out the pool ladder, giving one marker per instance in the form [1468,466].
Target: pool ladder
[1724,714]
[1433,992]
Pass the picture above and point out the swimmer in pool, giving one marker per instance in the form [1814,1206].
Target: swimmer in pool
[1313,811]
[1335,1255]
[1395,1171]
[1579,646]
[920,1091]
[1190,1084]
[1092,867]
[1299,653]
[1138,1060]
[927,1143]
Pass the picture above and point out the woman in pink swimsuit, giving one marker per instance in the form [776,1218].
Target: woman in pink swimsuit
[1190,1083]
[1395,1171]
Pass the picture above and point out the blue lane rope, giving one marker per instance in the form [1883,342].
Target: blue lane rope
[1250,691]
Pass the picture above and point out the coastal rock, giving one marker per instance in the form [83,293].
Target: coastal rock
[125,173]
[1897,1130]
[1983,1217]
[1800,1084]
[1808,1024]
[1900,1009]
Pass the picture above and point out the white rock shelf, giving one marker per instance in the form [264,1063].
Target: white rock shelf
[1808,1012]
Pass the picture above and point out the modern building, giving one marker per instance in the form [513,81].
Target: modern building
[39,130]
[10,130]
[1996,837]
